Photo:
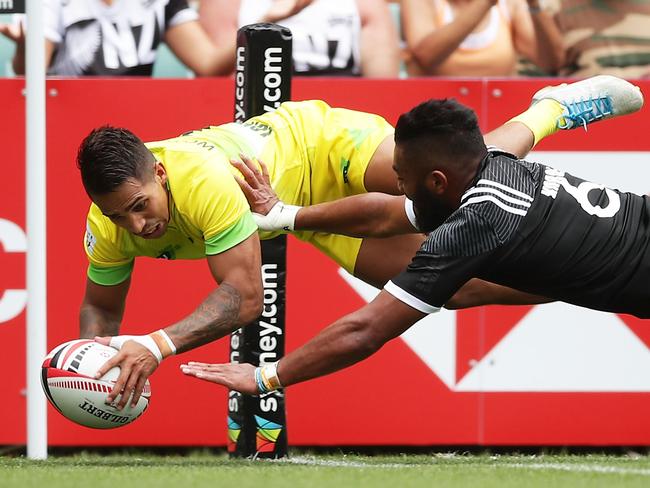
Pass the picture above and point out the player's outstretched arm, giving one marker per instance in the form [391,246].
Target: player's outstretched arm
[236,302]
[344,343]
[102,309]
[365,215]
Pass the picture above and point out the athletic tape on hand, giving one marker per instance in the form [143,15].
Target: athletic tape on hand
[145,340]
[280,217]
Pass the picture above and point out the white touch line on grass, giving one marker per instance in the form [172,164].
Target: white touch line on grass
[310,461]
[577,468]
[583,468]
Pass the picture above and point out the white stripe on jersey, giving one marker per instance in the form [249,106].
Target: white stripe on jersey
[499,203]
[501,195]
[517,193]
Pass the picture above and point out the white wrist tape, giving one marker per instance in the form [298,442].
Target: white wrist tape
[280,217]
[158,343]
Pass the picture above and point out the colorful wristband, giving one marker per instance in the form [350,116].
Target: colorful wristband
[261,387]
[266,377]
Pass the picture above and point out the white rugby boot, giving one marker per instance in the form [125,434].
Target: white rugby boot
[592,99]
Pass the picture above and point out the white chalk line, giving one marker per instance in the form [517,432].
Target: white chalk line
[582,468]
[310,461]
[575,468]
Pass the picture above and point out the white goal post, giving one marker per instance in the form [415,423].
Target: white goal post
[36,273]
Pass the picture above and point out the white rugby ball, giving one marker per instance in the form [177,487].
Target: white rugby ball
[68,379]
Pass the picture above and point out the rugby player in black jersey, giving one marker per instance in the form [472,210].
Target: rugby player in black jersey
[489,215]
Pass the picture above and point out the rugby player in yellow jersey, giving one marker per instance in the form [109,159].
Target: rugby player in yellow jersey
[179,199]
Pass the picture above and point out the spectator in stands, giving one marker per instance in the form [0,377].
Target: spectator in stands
[114,38]
[479,37]
[605,37]
[330,37]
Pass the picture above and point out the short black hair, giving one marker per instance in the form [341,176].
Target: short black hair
[109,156]
[444,129]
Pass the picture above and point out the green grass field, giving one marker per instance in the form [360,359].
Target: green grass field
[306,470]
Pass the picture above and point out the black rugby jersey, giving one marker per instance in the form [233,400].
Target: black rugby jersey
[539,230]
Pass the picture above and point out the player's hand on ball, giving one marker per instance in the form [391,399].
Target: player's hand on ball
[235,376]
[136,363]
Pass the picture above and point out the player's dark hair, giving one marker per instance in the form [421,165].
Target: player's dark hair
[109,156]
[444,130]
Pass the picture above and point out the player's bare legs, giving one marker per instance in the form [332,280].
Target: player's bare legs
[554,108]
[379,175]
[513,137]
[379,260]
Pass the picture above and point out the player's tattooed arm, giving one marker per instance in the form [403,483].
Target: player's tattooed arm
[236,302]
[215,317]
[102,309]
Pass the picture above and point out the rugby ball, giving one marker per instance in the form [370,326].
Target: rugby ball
[68,380]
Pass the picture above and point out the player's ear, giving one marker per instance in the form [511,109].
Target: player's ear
[160,172]
[436,182]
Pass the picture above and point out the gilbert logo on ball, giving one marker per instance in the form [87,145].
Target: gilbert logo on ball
[68,379]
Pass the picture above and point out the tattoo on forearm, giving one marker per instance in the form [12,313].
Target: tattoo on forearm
[216,317]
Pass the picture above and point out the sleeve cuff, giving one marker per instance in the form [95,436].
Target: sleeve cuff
[113,275]
[236,233]
[410,213]
[409,299]
[185,15]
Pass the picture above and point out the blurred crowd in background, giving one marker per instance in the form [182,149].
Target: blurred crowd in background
[370,38]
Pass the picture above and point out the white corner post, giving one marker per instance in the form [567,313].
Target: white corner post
[36,230]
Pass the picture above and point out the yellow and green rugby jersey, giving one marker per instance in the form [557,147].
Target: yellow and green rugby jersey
[208,212]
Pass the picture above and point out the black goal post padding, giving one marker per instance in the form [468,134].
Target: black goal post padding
[257,424]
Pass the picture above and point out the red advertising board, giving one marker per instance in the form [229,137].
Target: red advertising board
[550,374]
